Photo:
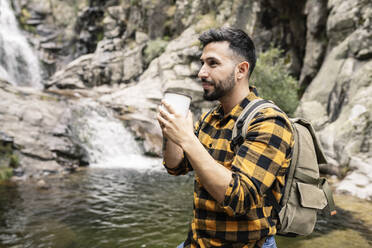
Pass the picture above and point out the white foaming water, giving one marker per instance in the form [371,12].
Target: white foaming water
[18,63]
[105,139]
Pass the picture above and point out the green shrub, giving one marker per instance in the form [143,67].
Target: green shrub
[273,82]
[206,22]
[5,173]
[14,161]
[153,49]
[8,157]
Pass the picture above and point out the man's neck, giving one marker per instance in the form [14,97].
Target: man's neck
[235,96]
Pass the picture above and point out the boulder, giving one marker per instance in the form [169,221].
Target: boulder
[37,124]
[343,19]
[359,181]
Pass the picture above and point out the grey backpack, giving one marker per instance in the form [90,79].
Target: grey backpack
[305,192]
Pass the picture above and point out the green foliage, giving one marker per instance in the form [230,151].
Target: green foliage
[8,158]
[153,49]
[25,15]
[14,161]
[5,149]
[100,36]
[48,98]
[23,18]
[206,22]
[5,173]
[273,81]
[134,2]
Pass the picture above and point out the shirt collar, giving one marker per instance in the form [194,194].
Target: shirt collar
[218,112]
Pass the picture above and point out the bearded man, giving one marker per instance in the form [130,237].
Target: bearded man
[230,207]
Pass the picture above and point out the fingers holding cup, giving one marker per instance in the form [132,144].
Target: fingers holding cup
[167,108]
[165,112]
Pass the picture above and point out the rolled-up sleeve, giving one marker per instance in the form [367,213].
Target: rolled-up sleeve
[184,166]
[181,169]
[265,151]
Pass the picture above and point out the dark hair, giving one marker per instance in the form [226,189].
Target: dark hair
[239,41]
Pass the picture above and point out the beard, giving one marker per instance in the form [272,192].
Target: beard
[220,89]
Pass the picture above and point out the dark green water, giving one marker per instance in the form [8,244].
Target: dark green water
[125,208]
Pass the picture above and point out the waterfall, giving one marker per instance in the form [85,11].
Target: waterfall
[18,63]
[105,139]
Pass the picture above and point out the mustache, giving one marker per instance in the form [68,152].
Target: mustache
[203,80]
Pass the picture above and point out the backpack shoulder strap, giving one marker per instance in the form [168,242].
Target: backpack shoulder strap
[242,123]
[240,131]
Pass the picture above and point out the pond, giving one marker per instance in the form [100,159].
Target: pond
[99,207]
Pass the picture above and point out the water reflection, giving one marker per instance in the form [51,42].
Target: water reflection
[126,208]
[97,208]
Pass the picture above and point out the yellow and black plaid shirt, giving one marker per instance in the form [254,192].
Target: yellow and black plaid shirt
[244,218]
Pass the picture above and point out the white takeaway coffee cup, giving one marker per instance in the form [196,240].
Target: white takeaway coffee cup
[179,101]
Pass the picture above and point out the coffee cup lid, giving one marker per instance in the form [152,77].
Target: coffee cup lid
[177,92]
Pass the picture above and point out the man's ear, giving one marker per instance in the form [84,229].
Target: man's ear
[243,70]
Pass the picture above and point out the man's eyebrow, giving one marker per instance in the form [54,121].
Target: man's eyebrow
[209,58]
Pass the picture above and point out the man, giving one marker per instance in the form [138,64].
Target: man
[230,207]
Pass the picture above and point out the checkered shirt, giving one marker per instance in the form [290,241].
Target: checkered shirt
[244,219]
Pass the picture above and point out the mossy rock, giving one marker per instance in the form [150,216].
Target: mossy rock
[206,22]
[23,18]
[5,173]
[153,49]
[25,15]
[5,148]
[8,157]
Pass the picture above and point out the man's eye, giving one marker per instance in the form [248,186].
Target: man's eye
[212,63]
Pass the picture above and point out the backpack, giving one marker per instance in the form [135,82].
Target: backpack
[305,192]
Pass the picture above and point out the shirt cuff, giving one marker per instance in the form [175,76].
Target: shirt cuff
[230,189]
[182,168]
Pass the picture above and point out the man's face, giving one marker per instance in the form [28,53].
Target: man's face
[217,73]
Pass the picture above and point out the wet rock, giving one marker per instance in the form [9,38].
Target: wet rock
[29,118]
[359,181]
[5,138]
[41,184]
[18,172]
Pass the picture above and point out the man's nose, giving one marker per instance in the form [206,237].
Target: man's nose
[203,72]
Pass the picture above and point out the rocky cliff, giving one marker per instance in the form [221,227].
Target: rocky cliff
[125,54]
[338,100]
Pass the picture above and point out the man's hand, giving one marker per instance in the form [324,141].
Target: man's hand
[213,176]
[174,126]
